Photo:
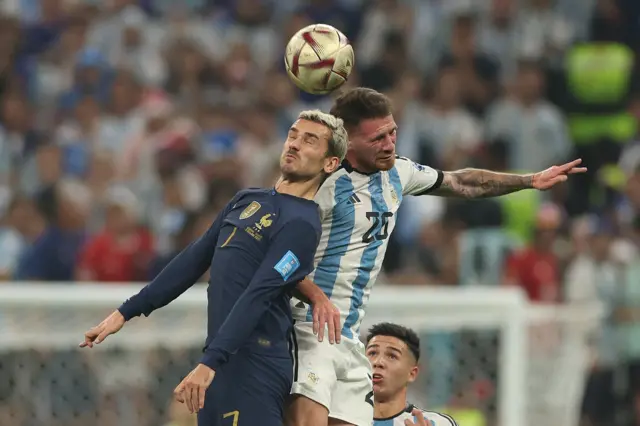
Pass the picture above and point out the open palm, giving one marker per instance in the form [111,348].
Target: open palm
[555,174]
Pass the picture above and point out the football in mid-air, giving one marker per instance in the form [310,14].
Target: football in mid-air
[319,59]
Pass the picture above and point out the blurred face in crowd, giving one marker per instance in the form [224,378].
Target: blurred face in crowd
[15,113]
[74,205]
[463,37]
[530,83]
[249,11]
[600,246]
[191,60]
[74,37]
[262,124]
[447,93]
[51,9]
[88,76]
[25,218]
[131,37]
[124,93]
[279,93]
[373,144]
[394,366]
[87,111]
[119,220]
[49,164]
[304,156]
[9,36]
[501,11]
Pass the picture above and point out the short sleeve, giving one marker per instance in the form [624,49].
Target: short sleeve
[417,179]
[325,200]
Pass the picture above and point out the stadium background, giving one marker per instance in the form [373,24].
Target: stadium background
[125,125]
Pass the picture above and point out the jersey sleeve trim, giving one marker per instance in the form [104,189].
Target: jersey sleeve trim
[435,186]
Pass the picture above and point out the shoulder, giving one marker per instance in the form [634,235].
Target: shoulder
[300,214]
[405,166]
[336,188]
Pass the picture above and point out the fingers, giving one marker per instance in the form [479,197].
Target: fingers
[322,322]
[201,395]
[337,325]
[576,170]
[332,329]
[568,166]
[194,396]
[316,319]
[178,392]
[189,397]
[419,417]
[103,335]
[90,337]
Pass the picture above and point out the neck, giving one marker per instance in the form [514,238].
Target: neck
[350,157]
[391,407]
[304,189]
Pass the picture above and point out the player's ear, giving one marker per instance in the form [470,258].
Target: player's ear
[331,164]
[413,373]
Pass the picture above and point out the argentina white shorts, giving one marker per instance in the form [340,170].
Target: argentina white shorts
[337,376]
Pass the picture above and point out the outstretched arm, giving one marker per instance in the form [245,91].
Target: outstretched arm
[476,183]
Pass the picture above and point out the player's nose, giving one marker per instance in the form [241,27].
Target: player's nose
[389,143]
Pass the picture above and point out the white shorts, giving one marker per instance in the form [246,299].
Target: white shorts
[337,376]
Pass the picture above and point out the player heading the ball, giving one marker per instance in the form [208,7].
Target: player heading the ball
[258,249]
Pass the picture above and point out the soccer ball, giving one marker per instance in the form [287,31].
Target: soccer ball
[319,59]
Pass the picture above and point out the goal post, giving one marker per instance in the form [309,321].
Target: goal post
[535,358]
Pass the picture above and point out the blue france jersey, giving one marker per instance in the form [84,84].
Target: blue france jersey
[433,418]
[358,213]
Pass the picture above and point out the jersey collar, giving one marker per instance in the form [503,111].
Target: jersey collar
[408,409]
[349,168]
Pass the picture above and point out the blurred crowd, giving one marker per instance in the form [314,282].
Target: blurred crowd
[126,125]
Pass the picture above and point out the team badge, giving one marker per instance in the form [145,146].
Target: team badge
[250,210]
[394,196]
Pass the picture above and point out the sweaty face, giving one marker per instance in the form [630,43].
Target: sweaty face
[373,144]
[394,366]
[304,154]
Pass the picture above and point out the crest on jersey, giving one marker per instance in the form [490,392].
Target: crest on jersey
[394,196]
[250,210]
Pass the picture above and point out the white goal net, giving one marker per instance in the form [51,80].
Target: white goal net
[488,356]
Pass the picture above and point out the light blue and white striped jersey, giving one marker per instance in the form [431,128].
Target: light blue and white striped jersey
[433,418]
[358,213]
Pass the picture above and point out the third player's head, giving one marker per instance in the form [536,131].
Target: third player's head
[394,352]
[372,130]
[315,146]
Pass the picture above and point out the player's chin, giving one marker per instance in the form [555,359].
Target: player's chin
[386,163]
[378,390]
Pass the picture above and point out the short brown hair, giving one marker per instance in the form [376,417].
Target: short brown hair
[360,104]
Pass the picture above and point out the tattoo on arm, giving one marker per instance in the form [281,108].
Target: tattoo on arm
[476,183]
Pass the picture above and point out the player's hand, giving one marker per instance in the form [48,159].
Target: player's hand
[420,420]
[111,325]
[326,314]
[555,174]
[193,388]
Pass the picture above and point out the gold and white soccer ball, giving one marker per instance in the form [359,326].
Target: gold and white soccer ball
[319,59]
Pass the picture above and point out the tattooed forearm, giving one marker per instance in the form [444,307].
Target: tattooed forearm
[476,183]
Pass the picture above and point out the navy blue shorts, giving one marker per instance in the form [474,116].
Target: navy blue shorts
[250,390]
